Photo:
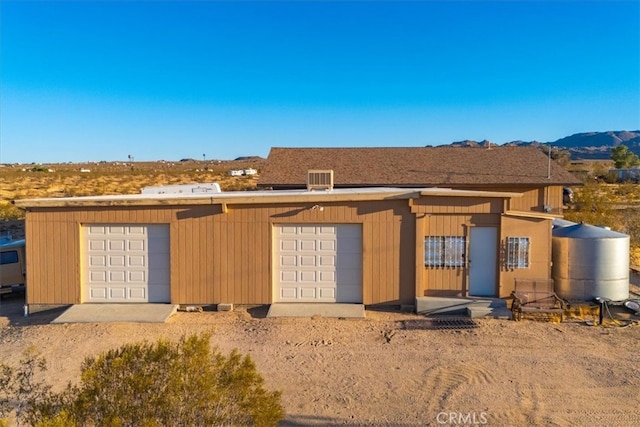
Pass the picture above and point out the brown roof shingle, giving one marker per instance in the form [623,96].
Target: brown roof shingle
[414,167]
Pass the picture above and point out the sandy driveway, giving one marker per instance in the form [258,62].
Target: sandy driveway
[375,372]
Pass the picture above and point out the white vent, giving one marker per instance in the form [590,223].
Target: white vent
[320,180]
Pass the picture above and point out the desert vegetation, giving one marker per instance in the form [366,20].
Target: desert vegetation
[104,178]
[151,384]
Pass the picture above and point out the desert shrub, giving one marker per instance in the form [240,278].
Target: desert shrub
[593,205]
[165,383]
[9,212]
[20,390]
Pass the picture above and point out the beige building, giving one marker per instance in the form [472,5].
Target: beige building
[361,244]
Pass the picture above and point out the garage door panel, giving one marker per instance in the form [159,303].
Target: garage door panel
[136,260]
[117,293]
[98,294]
[137,293]
[327,294]
[124,261]
[132,229]
[97,245]
[288,293]
[327,245]
[288,245]
[137,277]
[98,276]
[307,245]
[327,276]
[98,261]
[116,261]
[116,276]
[116,245]
[307,229]
[136,245]
[289,261]
[308,293]
[309,260]
[95,230]
[289,276]
[327,261]
[327,230]
[307,276]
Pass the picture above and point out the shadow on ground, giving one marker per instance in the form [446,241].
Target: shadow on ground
[12,309]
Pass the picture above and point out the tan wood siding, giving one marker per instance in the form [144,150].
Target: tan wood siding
[457,205]
[57,258]
[447,281]
[539,233]
[534,199]
[222,257]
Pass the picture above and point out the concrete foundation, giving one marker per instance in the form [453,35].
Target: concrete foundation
[224,307]
[474,307]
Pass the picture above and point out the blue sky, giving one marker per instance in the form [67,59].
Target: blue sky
[101,80]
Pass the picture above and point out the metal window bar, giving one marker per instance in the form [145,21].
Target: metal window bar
[444,251]
[518,252]
[433,249]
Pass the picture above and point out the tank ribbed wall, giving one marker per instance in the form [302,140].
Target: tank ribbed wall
[590,262]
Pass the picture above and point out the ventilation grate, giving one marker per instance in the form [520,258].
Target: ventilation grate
[319,180]
[441,323]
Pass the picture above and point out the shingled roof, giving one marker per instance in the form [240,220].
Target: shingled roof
[414,167]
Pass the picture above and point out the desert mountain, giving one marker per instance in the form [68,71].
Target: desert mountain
[588,145]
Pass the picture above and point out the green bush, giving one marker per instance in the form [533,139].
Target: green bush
[165,383]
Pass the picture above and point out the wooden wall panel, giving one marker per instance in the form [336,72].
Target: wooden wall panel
[447,281]
[224,257]
[539,233]
[52,260]
[457,205]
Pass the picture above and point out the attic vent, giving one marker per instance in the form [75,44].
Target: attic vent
[319,180]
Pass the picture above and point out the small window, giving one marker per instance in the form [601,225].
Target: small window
[444,251]
[8,257]
[518,252]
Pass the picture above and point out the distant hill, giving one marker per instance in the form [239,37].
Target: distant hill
[588,145]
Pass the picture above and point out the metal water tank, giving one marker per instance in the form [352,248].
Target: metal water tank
[560,222]
[590,262]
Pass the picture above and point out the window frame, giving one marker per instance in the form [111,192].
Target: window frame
[518,250]
[445,251]
[6,260]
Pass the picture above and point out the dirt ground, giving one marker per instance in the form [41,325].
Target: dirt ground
[375,372]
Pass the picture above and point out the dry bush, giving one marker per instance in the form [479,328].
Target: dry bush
[160,384]
[113,178]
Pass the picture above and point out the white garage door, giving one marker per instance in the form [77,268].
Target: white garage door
[318,263]
[126,263]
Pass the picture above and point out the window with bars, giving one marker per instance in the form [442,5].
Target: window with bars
[444,251]
[518,252]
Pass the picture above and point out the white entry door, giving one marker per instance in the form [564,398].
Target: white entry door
[318,263]
[126,263]
[483,255]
